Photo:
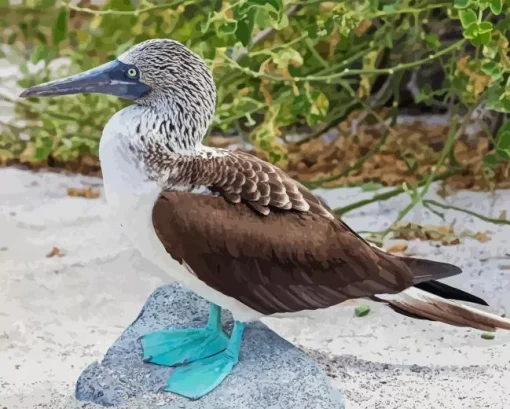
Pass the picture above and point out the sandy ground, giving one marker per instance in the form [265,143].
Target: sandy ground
[59,314]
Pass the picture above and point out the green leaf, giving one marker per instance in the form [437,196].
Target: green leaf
[485,27]
[362,310]
[277,5]
[496,6]
[286,57]
[329,25]
[467,17]
[389,8]
[482,39]
[505,153]
[228,28]
[239,108]
[493,69]
[46,3]
[318,109]
[282,23]
[410,161]
[479,33]
[245,23]
[60,27]
[371,186]
[489,67]
[461,4]
[491,160]
[471,31]
[312,30]
[432,40]
[503,141]
[488,335]
[43,147]
[40,52]
[497,99]
[373,5]
[48,123]
[388,39]
[301,105]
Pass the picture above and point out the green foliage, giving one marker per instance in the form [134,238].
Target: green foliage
[492,40]
[318,62]
[502,148]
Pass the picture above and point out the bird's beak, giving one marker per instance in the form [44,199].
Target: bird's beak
[110,78]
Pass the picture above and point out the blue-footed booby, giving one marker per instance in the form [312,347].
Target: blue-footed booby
[233,228]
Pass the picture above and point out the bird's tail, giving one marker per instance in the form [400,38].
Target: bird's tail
[418,303]
[436,301]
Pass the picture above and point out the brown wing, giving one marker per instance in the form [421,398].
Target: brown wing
[282,262]
[241,177]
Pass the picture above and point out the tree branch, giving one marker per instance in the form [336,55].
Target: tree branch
[460,209]
[129,12]
[388,195]
[347,72]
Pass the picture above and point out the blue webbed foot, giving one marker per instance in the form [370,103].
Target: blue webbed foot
[174,347]
[201,377]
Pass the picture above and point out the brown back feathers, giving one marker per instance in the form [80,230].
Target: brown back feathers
[270,243]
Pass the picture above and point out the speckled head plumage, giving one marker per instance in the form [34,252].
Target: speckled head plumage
[173,72]
[161,73]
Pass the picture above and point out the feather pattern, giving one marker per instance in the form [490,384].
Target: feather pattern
[237,177]
[288,261]
[419,303]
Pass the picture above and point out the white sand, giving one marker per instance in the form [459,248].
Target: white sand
[59,314]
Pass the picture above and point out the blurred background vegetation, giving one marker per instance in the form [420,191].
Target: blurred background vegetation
[335,92]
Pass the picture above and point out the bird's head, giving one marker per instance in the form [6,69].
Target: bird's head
[151,73]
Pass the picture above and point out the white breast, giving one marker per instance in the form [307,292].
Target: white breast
[131,199]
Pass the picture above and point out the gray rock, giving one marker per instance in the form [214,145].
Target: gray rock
[271,373]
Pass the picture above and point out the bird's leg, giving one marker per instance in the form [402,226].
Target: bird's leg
[201,377]
[181,346]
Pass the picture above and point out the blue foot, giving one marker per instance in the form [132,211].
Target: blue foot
[174,347]
[201,377]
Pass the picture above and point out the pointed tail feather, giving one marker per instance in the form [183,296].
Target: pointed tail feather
[451,293]
[421,304]
[426,270]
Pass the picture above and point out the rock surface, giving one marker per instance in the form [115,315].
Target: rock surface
[271,374]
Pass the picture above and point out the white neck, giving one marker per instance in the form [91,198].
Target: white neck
[125,180]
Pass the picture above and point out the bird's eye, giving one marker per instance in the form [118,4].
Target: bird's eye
[132,73]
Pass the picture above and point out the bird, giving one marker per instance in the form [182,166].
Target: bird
[235,229]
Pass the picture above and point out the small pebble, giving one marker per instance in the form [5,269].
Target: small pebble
[362,310]
[488,335]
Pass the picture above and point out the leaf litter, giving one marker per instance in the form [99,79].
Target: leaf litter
[442,233]
[410,153]
[88,192]
[56,251]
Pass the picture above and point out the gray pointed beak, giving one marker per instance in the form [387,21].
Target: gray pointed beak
[110,78]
